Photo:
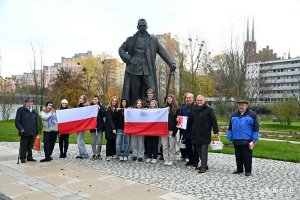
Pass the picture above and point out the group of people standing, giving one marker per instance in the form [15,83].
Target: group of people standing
[243,130]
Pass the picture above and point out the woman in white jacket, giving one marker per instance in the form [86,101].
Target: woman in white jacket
[50,130]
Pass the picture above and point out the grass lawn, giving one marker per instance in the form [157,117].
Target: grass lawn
[264,149]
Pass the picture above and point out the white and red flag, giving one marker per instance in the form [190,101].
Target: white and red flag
[149,122]
[77,119]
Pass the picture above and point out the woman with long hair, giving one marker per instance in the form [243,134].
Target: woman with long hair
[151,142]
[83,101]
[137,141]
[63,138]
[122,142]
[169,142]
[110,128]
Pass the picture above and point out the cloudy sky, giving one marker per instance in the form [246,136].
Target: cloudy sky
[65,27]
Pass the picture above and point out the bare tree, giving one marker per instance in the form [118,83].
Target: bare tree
[7,95]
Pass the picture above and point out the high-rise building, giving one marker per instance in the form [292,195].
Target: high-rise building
[274,79]
[162,68]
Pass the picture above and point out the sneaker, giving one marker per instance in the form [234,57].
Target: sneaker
[189,163]
[121,158]
[153,161]
[115,157]
[170,163]
[125,158]
[134,158]
[93,157]
[108,158]
[31,160]
[79,157]
[140,159]
[61,155]
[23,161]
[166,163]
[148,160]
[99,157]
[64,155]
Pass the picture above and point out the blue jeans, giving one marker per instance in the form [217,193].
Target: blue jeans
[122,143]
[81,145]
[96,141]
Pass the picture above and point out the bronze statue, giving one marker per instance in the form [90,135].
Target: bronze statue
[139,54]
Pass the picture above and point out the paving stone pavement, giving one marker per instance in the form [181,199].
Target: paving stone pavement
[270,180]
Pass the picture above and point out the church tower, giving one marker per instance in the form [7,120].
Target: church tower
[250,45]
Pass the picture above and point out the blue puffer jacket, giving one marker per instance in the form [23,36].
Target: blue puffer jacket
[243,128]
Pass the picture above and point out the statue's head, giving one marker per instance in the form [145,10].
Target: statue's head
[142,26]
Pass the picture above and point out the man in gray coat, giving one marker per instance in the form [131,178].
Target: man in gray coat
[139,54]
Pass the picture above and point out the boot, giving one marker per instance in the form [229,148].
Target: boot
[61,155]
[65,155]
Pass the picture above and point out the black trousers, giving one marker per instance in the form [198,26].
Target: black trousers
[243,157]
[110,147]
[138,86]
[151,146]
[49,142]
[191,151]
[63,143]
[26,145]
[202,150]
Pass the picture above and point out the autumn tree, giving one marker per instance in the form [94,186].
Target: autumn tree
[67,85]
[100,74]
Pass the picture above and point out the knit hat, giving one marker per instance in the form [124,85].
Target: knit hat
[64,101]
[29,99]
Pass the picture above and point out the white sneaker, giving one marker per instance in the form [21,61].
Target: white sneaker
[166,163]
[148,160]
[108,158]
[115,157]
[153,161]
[125,158]
[170,163]
[121,158]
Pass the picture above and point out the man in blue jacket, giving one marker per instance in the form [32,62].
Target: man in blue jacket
[244,132]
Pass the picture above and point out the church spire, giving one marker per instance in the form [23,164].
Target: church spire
[253,30]
[247,29]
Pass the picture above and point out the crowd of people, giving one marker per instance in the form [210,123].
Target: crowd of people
[243,131]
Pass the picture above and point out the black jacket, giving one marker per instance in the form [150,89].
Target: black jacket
[120,119]
[27,121]
[100,117]
[172,122]
[202,121]
[110,124]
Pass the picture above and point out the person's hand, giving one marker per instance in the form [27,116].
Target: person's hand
[114,131]
[173,67]
[135,60]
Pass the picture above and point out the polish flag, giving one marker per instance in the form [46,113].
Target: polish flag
[77,119]
[149,122]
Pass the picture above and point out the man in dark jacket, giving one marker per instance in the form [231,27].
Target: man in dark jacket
[202,120]
[26,123]
[243,130]
[191,151]
[139,54]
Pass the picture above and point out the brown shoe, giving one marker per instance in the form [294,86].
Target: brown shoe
[202,170]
